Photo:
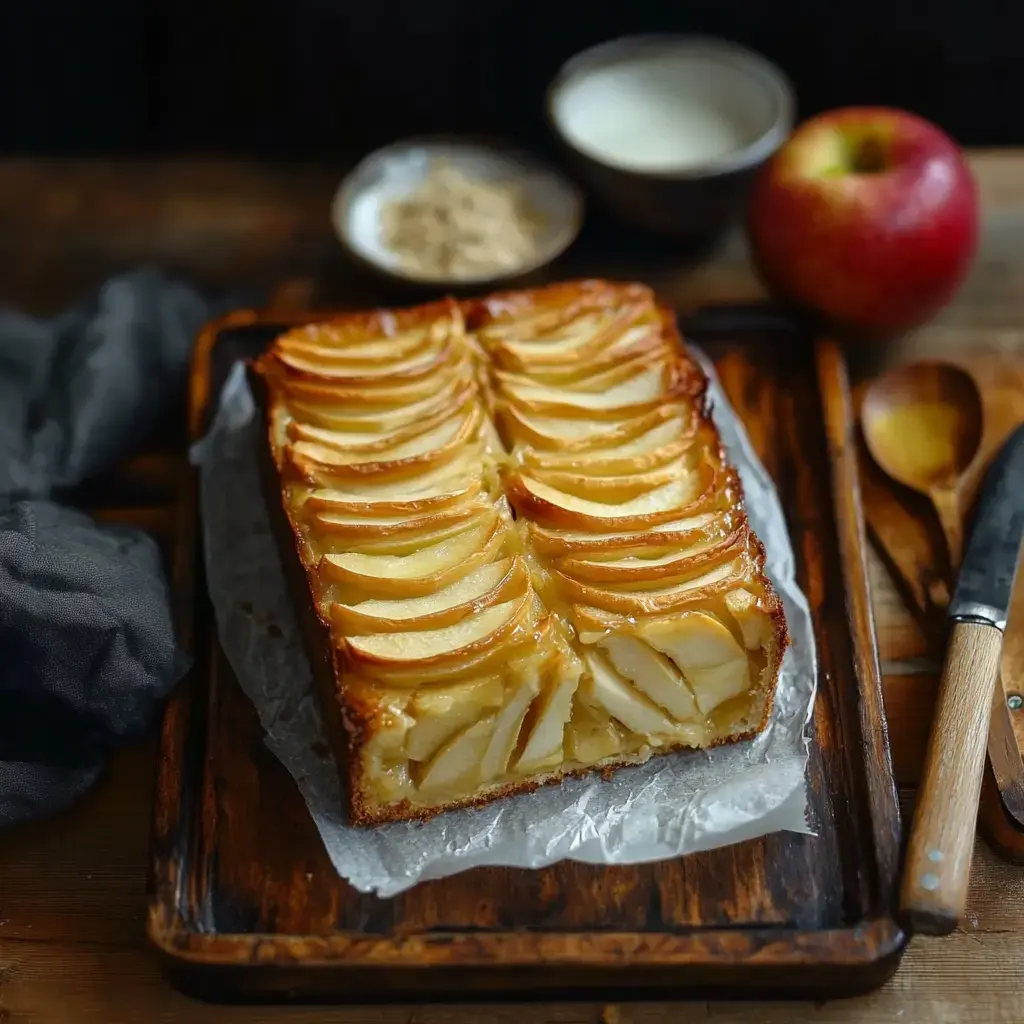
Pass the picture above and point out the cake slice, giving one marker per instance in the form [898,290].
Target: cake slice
[514,543]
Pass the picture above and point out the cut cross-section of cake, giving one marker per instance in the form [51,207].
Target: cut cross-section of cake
[516,549]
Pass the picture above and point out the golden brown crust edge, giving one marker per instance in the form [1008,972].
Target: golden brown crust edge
[315,633]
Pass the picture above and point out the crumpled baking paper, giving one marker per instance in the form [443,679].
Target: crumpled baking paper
[675,804]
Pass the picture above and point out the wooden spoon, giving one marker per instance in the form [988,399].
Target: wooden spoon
[923,425]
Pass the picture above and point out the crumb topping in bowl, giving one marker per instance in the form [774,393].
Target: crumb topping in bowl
[457,225]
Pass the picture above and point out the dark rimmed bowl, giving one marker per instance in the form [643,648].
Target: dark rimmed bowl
[695,200]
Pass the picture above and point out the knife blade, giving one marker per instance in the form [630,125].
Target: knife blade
[937,869]
[985,583]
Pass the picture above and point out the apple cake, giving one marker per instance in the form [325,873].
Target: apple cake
[516,545]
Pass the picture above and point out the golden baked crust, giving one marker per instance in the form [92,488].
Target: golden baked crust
[515,544]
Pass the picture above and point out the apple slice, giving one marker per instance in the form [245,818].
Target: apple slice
[652,674]
[434,321]
[371,443]
[424,571]
[587,360]
[373,350]
[438,435]
[344,526]
[312,388]
[599,463]
[551,712]
[380,418]
[436,646]
[544,504]
[584,380]
[700,567]
[460,491]
[606,688]
[664,443]
[438,713]
[638,393]
[477,590]
[467,460]
[577,431]
[458,761]
[711,660]
[754,622]
[545,310]
[526,634]
[611,489]
[693,640]
[416,366]
[400,542]
[718,683]
[686,531]
[429,451]
[658,601]
[579,340]
[590,739]
[507,727]
[670,562]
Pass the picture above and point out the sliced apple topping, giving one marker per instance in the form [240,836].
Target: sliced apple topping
[754,622]
[592,737]
[438,437]
[615,544]
[711,660]
[660,504]
[458,761]
[638,713]
[652,674]
[507,727]
[439,712]
[383,418]
[437,645]
[424,570]
[573,433]
[549,717]
[638,393]
[475,591]
[621,610]
[446,495]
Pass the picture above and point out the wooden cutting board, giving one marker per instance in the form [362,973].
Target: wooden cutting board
[905,532]
[245,904]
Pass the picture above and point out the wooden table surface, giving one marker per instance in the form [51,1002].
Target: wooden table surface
[72,889]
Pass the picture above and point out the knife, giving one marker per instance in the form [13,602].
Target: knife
[938,861]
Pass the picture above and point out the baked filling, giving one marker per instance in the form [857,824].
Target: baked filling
[523,552]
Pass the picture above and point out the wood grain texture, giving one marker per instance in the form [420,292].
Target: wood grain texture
[938,861]
[947,505]
[73,889]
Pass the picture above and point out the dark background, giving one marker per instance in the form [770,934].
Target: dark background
[323,78]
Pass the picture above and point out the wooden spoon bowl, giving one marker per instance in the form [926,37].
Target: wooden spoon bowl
[923,425]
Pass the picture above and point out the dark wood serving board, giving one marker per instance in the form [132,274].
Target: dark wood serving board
[245,904]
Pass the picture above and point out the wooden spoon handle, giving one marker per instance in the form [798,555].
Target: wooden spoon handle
[947,505]
[938,863]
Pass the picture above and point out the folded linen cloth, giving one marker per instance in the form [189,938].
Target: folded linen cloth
[87,649]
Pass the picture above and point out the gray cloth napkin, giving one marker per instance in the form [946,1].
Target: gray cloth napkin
[87,649]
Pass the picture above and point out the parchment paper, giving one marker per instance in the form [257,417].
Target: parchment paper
[675,804]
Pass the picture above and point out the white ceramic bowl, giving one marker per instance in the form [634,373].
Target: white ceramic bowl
[667,131]
[398,168]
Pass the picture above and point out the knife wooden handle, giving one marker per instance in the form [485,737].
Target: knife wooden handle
[938,863]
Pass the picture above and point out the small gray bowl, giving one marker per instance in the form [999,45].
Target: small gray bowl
[398,168]
[667,132]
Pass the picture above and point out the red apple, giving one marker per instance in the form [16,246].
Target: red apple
[866,214]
